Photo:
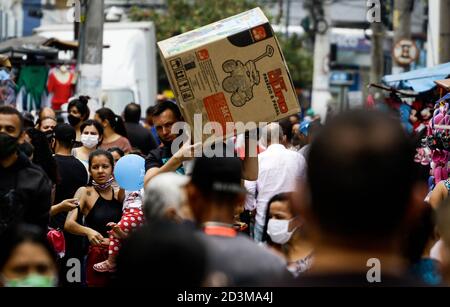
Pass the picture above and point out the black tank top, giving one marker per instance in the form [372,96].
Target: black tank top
[103,212]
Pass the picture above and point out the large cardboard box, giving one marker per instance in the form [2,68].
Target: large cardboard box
[230,71]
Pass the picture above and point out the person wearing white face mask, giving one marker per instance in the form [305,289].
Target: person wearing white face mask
[284,232]
[91,138]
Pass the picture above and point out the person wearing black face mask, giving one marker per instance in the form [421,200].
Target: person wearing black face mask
[25,190]
[78,113]
[73,120]
[43,153]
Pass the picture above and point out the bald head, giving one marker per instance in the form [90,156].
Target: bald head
[47,113]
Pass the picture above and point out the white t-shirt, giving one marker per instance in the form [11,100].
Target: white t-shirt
[133,199]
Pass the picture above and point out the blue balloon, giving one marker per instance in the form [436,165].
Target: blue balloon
[129,172]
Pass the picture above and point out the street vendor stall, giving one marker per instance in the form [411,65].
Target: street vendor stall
[413,94]
[37,75]
[431,88]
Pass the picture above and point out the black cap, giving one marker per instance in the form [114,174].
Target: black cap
[216,174]
[65,133]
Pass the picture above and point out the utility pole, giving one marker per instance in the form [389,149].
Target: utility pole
[90,55]
[402,27]
[288,17]
[377,56]
[321,96]
[438,42]
[444,35]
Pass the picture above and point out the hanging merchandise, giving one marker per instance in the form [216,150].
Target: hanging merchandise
[33,83]
[438,141]
[7,88]
[60,85]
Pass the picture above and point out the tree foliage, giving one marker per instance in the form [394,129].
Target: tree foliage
[185,15]
[299,60]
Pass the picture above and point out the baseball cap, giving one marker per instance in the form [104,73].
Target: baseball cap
[65,132]
[218,174]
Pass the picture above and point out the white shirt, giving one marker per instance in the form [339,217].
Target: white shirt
[133,199]
[280,169]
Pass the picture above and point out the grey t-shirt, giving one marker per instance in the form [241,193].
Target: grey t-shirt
[243,262]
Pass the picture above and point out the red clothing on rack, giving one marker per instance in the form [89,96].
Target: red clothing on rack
[61,91]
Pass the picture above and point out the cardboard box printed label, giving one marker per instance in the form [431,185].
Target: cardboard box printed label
[230,71]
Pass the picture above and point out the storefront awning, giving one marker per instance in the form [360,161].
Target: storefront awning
[420,80]
[27,45]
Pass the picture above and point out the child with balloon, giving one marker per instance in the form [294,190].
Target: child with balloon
[129,173]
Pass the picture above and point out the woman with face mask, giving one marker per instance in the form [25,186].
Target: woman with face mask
[26,259]
[91,138]
[78,113]
[285,233]
[100,205]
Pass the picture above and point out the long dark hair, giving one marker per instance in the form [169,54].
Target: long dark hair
[42,154]
[81,103]
[114,120]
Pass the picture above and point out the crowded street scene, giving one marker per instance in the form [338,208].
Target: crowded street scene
[196,144]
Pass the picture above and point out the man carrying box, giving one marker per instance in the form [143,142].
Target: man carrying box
[162,160]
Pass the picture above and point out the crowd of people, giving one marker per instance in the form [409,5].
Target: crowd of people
[315,207]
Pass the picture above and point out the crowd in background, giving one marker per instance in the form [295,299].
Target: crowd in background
[313,208]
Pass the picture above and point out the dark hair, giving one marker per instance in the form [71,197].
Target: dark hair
[19,234]
[115,121]
[28,120]
[66,143]
[101,152]
[65,135]
[371,161]
[154,249]
[8,110]
[136,151]
[132,113]
[97,125]
[278,197]
[42,154]
[286,126]
[167,105]
[149,110]
[81,103]
[118,150]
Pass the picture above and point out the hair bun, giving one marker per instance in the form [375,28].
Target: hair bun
[84,99]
